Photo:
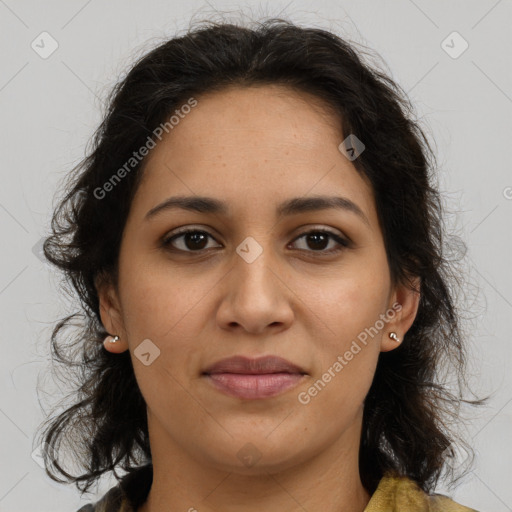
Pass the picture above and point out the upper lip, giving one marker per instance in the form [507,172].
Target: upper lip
[254,366]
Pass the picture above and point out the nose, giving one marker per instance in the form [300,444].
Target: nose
[256,297]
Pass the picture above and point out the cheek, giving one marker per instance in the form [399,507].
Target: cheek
[351,303]
[347,343]
[158,303]
[160,308]
[167,308]
[346,352]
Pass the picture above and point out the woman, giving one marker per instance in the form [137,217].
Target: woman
[256,240]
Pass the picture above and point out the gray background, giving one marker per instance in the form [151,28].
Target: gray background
[50,107]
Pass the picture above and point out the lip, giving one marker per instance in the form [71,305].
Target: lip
[254,366]
[252,379]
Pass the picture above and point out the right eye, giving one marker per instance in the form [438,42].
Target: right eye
[191,240]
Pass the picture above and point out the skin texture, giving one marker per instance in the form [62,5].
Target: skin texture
[253,148]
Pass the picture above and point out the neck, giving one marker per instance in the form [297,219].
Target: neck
[328,481]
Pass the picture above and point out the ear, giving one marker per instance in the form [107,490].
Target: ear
[407,295]
[111,313]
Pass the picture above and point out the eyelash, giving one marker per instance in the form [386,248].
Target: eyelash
[343,243]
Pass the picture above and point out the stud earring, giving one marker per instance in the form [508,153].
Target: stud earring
[393,336]
[111,339]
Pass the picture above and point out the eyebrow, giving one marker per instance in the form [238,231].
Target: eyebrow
[202,204]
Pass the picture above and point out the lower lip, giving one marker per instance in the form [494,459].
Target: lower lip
[252,387]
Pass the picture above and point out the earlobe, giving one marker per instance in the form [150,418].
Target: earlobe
[114,345]
[110,314]
[408,296]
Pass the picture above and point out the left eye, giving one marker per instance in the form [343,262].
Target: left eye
[194,240]
[319,237]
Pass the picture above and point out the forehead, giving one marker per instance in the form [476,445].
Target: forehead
[253,145]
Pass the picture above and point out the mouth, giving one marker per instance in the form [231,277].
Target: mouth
[253,379]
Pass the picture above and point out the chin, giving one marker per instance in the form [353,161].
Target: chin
[259,453]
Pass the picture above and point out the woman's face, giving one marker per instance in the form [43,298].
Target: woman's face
[251,282]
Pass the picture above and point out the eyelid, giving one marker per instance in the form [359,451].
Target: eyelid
[188,229]
[323,229]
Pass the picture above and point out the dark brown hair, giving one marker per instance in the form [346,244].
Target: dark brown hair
[408,408]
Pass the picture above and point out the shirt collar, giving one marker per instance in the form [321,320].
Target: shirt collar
[393,494]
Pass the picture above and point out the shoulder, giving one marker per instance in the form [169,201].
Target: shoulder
[401,494]
[128,495]
[115,500]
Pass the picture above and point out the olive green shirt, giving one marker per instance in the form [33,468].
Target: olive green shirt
[393,494]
